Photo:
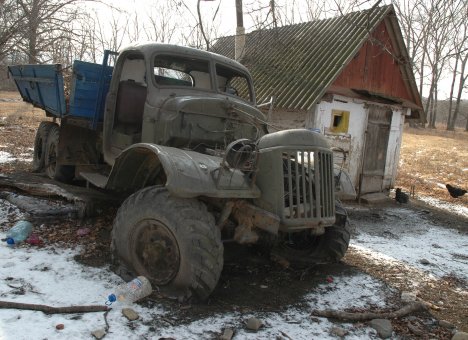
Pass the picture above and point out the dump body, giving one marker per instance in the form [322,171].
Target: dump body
[83,97]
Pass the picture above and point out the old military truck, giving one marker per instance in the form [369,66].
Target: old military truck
[176,130]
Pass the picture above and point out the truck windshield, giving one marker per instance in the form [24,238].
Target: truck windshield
[233,82]
[172,70]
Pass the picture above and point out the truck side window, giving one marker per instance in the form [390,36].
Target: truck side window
[181,71]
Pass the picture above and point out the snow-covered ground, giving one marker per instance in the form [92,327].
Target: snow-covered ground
[450,207]
[6,157]
[401,234]
[51,276]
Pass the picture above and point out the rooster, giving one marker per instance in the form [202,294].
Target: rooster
[400,196]
[454,191]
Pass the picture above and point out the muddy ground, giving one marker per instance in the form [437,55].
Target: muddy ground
[251,282]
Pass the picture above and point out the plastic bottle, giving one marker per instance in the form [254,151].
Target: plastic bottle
[130,292]
[19,232]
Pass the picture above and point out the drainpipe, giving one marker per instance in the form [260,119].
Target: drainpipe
[239,49]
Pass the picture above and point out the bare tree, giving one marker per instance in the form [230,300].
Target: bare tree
[429,27]
[162,23]
[200,26]
[11,18]
[45,21]
[460,56]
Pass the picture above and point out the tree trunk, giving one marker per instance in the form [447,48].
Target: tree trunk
[434,108]
[33,25]
[461,84]
[428,107]
[452,87]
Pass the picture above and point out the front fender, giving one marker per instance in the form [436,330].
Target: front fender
[184,173]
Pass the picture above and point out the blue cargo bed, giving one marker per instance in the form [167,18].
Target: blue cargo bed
[43,86]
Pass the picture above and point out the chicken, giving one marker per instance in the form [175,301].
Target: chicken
[400,196]
[454,191]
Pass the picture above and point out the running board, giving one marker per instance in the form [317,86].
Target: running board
[95,178]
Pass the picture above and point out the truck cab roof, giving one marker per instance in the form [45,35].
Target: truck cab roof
[148,49]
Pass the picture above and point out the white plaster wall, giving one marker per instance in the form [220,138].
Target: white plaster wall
[354,139]
[394,146]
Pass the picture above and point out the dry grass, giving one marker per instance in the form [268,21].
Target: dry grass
[18,124]
[432,158]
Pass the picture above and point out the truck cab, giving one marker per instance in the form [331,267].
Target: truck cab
[177,96]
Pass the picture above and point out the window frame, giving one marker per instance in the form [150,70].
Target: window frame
[179,55]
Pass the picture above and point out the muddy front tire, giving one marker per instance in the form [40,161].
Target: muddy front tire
[172,241]
[303,249]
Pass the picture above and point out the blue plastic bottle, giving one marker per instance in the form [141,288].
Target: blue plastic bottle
[19,232]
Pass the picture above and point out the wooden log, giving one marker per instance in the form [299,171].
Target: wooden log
[53,310]
[341,315]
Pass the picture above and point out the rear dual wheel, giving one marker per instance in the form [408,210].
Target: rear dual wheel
[62,173]
[40,146]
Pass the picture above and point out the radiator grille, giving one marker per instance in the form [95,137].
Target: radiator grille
[303,199]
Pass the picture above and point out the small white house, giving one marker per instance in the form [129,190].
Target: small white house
[349,77]
[369,134]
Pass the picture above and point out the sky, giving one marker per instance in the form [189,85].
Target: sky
[224,22]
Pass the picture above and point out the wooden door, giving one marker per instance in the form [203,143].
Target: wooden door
[375,150]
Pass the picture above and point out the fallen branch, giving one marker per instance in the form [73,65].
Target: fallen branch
[53,310]
[334,314]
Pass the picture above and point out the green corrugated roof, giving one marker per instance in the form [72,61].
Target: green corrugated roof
[297,63]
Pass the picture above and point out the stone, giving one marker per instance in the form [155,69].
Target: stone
[424,262]
[446,324]
[130,314]
[98,333]
[383,327]
[408,297]
[338,331]
[460,336]
[415,329]
[253,324]
[60,326]
[227,334]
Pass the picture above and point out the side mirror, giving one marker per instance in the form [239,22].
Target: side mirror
[270,103]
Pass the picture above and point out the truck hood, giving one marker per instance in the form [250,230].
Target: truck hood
[219,106]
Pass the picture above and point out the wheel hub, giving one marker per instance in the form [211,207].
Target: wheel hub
[157,251]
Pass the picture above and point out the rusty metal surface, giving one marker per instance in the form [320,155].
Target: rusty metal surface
[188,173]
[248,214]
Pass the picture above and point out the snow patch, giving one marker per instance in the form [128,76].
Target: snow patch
[446,250]
[6,157]
[453,208]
